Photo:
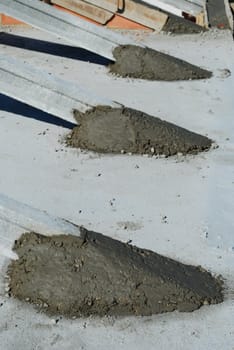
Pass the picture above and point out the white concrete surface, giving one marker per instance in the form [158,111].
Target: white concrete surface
[181,207]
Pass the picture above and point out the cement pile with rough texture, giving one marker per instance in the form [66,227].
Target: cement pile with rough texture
[145,63]
[179,25]
[97,275]
[119,130]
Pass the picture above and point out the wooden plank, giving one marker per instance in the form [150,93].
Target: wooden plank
[134,10]
[144,14]
[200,19]
[95,13]
[109,5]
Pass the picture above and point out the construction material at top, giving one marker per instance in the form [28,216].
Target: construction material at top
[97,275]
[53,95]
[125,130]
[178,16]
[97,14]
[150,13]
[101,12]
[74,30]
[110,5]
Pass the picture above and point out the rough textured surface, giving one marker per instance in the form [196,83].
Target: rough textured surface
[115,130]
[177,25]
[97,275]
[217,14]
[145,63]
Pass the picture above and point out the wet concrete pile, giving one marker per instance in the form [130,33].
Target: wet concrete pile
[118,130]
[145,63]
[97,275]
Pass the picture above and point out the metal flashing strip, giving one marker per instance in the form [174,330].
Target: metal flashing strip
[178,6]
[53,95]
[74,30]
[32,220]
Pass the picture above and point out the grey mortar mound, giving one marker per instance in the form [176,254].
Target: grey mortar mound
[97,275]
[114,130]
[177,25]
[145,63]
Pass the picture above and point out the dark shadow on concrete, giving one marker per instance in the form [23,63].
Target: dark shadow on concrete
[55,49]
[23,110]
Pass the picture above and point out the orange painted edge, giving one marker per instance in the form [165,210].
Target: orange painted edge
[9,21]
[116,22]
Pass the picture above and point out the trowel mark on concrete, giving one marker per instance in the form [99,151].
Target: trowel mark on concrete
[145,63]
[97,275]
[117,130]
